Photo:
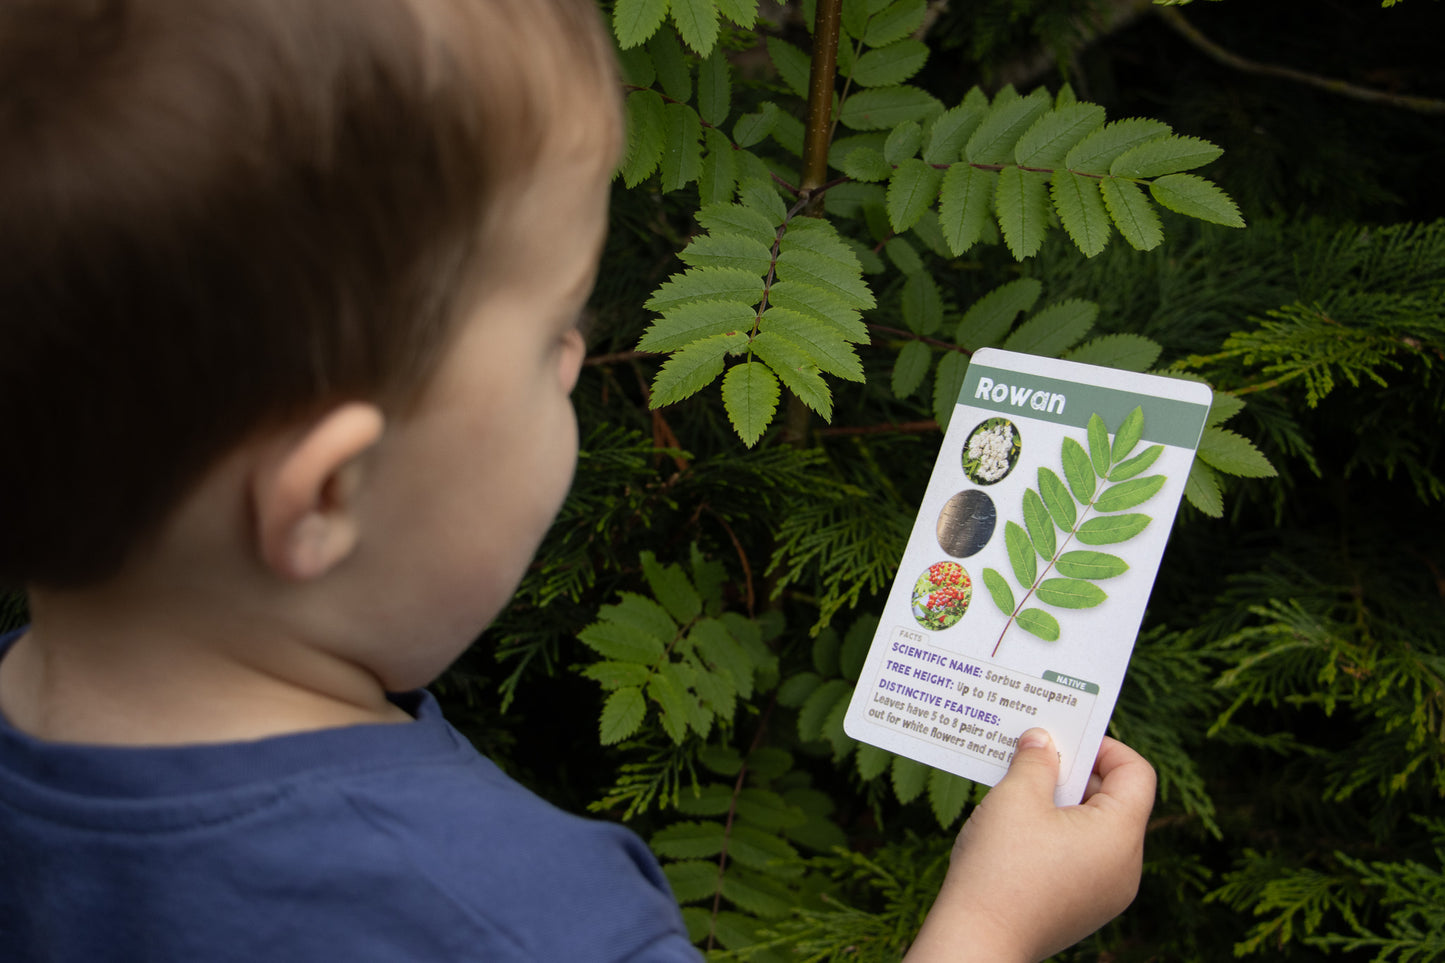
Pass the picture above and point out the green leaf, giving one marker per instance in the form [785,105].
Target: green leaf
[1040,623]
[796,688]
[1096,152]
[872,761]
[682,147]
[866,164]
[714,88]
[844,281]
[1081,210]
[622,643]
[947,382]
[1128,494]
[823,342]
[821,702]
[909,778]
[1098,445]
[911,191]
[1233,454]
[713,799]
[615,675]
[1054,328]
[892,64]
[750,129]
[1070,593]
[689,840]
[1055,132]
[634,21]
[1078,471]
[1164,155]
[693,368]
[902,142]
[1131,429]
[812,303]
[797,370]
[1040,525]
[758,895]
[723,760]
[707,284]
[672,588]
[921,304]
[965,203]
[696,321]
[644,136]
[1020,553]
[792,64]
[691,880]
[947,795]
[735,219]
[1137,464]
[622,715]
[635,65]
[883,108]
[1057,500]
[719,176]
[998,589]
[767,810]
[896,21]
[744,13]
[904,256]
[950,132]
[673,70]
[672,703]
[723,654]
[1223,407]
[1022,202]
[757,848]
[993,142]
[1196,197]
[1111,529]
[988,319]
[750,396]
[1128,352]
[729,251]
[1135,219]
[1202,490]
[697,23]
[1086,564]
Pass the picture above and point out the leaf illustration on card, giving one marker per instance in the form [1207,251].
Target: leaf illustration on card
[1102,479]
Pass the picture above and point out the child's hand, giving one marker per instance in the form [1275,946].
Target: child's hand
[1027,878]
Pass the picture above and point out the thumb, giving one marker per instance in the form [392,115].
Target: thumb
[1034,770]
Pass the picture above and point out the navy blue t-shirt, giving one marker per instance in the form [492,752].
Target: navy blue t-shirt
[376,842]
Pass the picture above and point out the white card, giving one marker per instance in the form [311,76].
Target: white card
[990,630]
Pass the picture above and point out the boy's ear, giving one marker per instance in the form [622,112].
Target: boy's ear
[303,497]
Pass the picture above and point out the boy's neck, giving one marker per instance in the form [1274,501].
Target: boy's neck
[87,672]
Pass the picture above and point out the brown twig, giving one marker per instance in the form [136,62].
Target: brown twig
[898,427]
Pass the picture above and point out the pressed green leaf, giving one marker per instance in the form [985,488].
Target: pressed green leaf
[796,369]
[1040,525]
[622,715]
[1056,500]
[896,21]
[1196,197]
[750,129]
[839,278]
[866,164]
[614,675]
[670,60]
[691,880]
[1087,564]
[735,219]
[644,136]
[696,320]
[1164,155]
[697,23]
[965,204]
[1040,623]
[1096,152]
[1136,220]
[1202,490]
[872,761]
[1055,133]
[947,795]
[818,705]
[988,319]
[998,589]
[902,142]
[673,589]
[892,64]
[792,64]
[994,139]
[1111,529]
[922,304]
[1128,494]
[693,368]
[1053,329]
[750,397]
[950,132]
[823,342]
[911,191]
[707,284]
[714,88]
[621,643]
[762,196]
[672,703]
[1080,206]
[1128,352]
[909,778]
[1233,454]
[1022,202]
[1078,471]
[1098,445]
[681,160]
[1070,593]
[947,382]
[718,179]
[689,840]
[883,108]
[634,21]
[1020,553]
[1137,464]
[1131,429]
[729,251]
[744,13]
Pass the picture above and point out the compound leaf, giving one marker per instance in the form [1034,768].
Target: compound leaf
[693,368]
[1096,152]
[1164,155]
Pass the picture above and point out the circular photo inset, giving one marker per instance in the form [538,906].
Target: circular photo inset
[941,595]
[966,523]
[991,451]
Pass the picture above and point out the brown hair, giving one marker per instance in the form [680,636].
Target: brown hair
[216,215]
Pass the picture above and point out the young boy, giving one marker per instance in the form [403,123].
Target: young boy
[288,302]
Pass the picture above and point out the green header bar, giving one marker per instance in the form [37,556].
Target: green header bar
[1058,678]
[1167,421]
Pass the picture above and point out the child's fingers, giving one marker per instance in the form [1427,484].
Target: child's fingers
[1034,769]
[1124,776]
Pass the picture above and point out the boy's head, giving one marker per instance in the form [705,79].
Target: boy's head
[222,216]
